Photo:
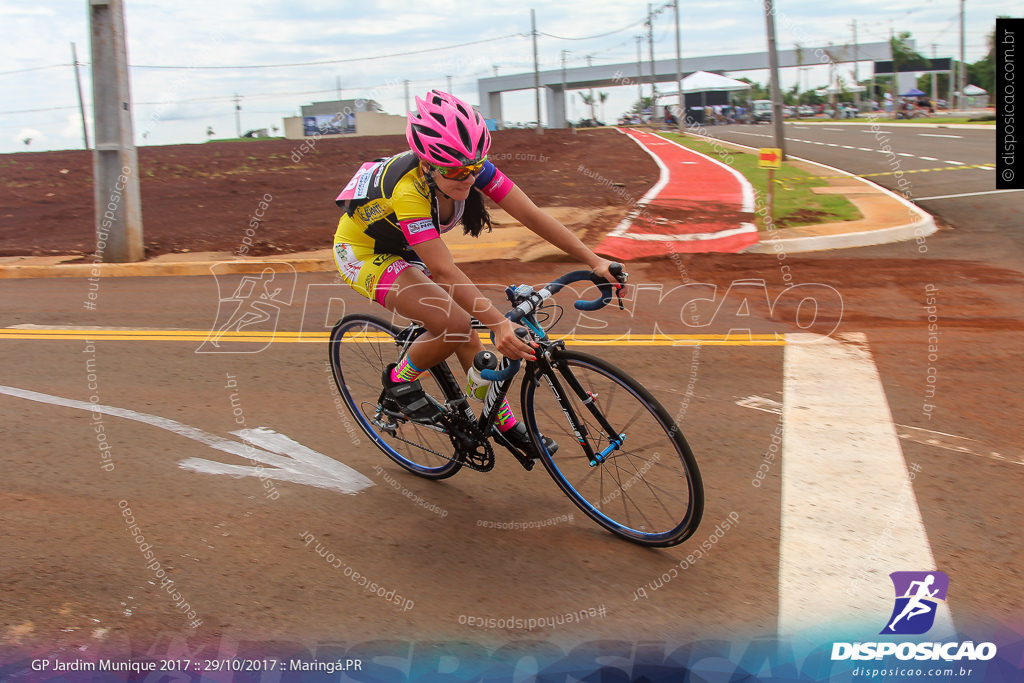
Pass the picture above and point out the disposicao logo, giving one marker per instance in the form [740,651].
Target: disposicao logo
[918,595]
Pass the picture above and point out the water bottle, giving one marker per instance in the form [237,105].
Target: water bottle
[476,389]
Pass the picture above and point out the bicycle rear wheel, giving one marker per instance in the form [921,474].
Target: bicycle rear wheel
[361,346]
[647,490]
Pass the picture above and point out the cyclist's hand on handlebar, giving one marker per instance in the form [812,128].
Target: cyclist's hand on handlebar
[603,268]
[510,345]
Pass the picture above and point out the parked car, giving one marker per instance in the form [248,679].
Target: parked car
[761,111]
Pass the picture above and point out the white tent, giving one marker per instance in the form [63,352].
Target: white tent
[705,81]
[972,91]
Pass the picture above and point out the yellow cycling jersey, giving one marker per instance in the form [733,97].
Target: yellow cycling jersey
[387,205]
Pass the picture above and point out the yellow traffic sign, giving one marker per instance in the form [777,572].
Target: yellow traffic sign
[770,157]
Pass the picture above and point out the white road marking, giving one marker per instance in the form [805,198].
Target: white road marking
[965,194]
[761,403]
[955,163]
[849,515]
[866,149]
[936,135]
[927,437]
[747,201]
[905,154]
[952,442]
[297,463]
[928,158]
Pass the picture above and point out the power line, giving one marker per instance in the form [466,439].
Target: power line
[599,35]
[37,68]
[332,61]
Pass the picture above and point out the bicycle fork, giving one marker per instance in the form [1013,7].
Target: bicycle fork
[579,427]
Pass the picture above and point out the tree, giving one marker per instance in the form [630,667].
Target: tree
[903,54]
[589,101]
[983,72]
[757,91]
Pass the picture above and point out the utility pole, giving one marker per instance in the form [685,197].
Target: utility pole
[593,112]
[337,85]
[115,159]
[935,79]
[650,43]
[565,99]
[679,72]
[773,64]
[894,88]
[238,115]
[639,73]
[406,82]
[962,82]
[81,102]
[856,78]
[536,69]
[449,84]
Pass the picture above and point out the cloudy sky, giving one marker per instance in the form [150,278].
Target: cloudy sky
[190,58]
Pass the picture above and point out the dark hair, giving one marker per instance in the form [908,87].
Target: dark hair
[474,215]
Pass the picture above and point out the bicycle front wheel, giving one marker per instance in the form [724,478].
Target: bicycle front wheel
[646,488]
[361,346]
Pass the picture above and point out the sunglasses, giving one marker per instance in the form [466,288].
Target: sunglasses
[459,172]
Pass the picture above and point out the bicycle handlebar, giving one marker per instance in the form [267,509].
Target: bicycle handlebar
[607,289]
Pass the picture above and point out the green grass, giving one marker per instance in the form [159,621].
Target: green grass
[887,119]
[794,202]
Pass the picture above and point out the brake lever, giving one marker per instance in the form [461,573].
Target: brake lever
[622,277]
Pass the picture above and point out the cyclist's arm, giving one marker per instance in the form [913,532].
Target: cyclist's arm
[521,207]
[445,272]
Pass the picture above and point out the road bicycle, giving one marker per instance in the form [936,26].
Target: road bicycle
[620,457]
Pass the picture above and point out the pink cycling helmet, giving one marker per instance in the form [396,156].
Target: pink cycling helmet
[445,131]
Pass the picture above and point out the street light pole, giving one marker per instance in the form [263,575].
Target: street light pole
[773,64]
[115,158]
[679,72]
[536,69]
[962,82]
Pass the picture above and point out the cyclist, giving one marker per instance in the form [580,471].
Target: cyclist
[388,246]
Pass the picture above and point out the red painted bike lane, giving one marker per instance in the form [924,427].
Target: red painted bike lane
[698,205]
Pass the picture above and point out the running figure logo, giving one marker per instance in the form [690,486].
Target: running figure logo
[253,306]
[918,595]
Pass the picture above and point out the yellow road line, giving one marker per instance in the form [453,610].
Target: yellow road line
[623,339]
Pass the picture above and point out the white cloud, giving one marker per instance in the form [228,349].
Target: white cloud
[199,33]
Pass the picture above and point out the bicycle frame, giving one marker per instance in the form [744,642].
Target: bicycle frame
[544,368]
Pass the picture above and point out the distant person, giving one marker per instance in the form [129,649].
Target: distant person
[389,248]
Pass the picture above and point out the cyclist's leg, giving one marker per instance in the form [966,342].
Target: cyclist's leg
[415,296]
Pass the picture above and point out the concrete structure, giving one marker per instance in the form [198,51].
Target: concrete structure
[630,73]
[115,159]
[343,118]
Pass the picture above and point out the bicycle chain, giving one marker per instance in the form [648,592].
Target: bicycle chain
[481,462]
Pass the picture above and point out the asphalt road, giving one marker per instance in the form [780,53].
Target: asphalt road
[928,466]
[961,195]
[506,544]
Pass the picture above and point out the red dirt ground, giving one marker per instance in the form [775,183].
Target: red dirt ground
[201,197]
